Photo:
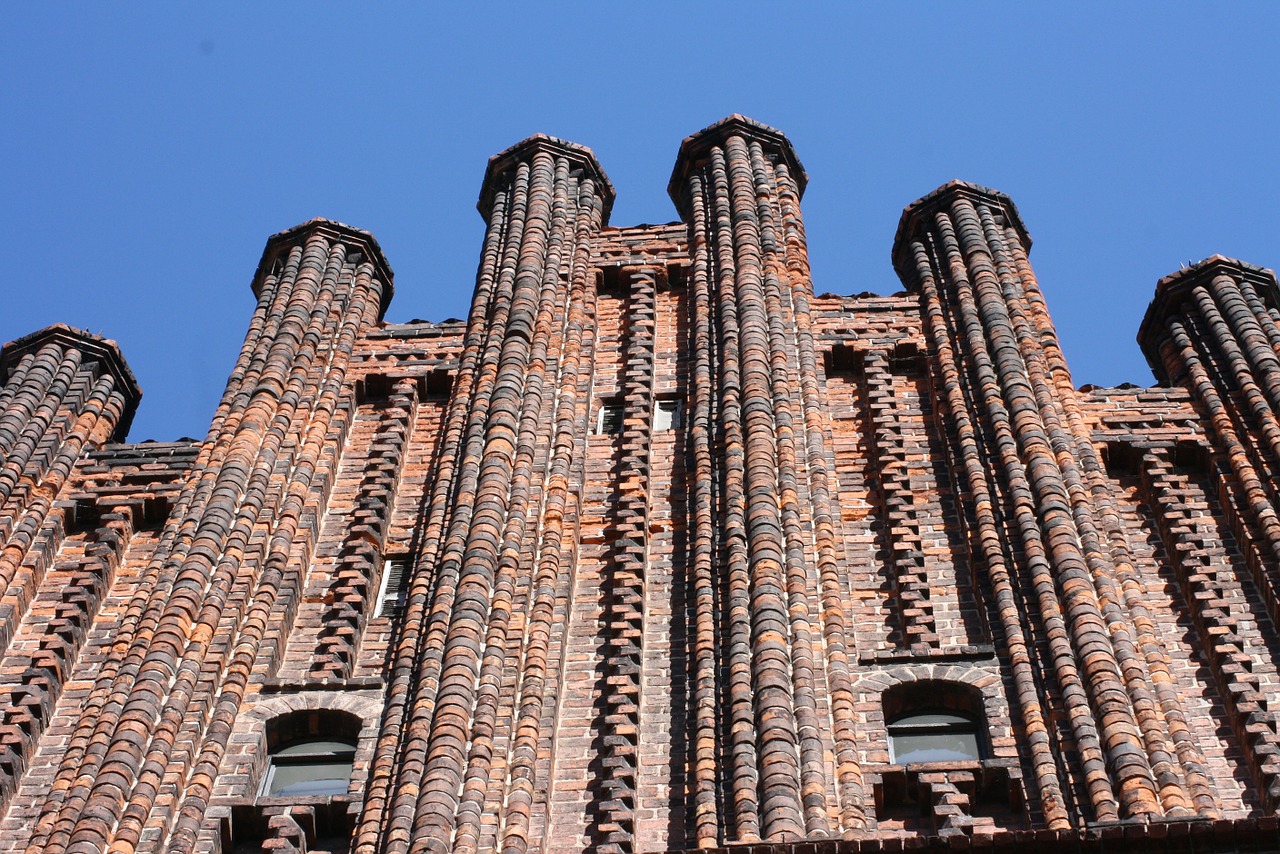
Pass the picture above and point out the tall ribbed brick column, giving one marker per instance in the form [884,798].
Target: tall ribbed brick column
[65,392]
[189,636]
[544,200]
[1009,397]
[757,445]
[1212,328]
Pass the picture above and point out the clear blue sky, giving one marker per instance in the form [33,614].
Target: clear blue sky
[150,150]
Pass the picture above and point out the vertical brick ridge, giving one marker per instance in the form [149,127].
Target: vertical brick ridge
[353,592]
[492,715]
[765,774]
[48,650]
[65,392]
[833,591]
[1211,329]
[91,424]
[1181,516]
[806,669]
[272,288]
[306,475]
[387,813]
[332,299]
[555,554]
[537,197]
[704,486]
[903,545]
[1125,627]
[613,819]
[1057,514]
[998,384]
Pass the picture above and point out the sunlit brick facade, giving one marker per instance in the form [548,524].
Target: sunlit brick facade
[657,551]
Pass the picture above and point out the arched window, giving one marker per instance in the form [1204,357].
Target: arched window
[312,754]
[933,721]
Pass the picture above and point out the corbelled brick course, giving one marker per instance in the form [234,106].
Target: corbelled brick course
[685,543]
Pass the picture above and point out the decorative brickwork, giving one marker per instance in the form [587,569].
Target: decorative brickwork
[692,558]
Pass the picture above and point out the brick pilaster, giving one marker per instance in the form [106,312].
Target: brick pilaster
[186,654]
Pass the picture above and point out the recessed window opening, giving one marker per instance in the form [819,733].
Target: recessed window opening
[934,721]
[609,420]
[394,589]
[312,754]
[666,414]
[439,384]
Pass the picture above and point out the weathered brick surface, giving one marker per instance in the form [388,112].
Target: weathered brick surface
[684,538]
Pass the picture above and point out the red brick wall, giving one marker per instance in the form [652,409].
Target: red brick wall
[653,640]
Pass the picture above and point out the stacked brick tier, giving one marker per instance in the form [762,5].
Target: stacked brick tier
[684,540]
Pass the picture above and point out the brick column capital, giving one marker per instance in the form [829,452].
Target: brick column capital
[695,147]
[579,156]
[339,232]
[95,348]
[1173,289]
[917,216]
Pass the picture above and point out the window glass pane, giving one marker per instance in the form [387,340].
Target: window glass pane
[934,747]
[932,719]
[666,414]
[307,748]
[319,778]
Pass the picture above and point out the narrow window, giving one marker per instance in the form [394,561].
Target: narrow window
[666,414]
[610,418]
[393,591]
[311,754]
[935,721]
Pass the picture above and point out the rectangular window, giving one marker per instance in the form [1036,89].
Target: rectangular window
[609,421]
[394,588]
[666,414]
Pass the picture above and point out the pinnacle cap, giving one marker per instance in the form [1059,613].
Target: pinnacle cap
[583,157]
[914,214]
[335,230]
[1172,289]
[95,348]
[695,146]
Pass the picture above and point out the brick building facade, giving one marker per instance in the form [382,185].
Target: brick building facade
[658,550]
